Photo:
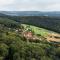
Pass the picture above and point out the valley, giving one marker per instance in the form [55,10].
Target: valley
[29,38]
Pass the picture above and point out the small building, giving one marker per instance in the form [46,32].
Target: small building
[28,35]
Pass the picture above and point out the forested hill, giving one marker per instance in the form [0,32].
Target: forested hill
[51,23]
[8,21]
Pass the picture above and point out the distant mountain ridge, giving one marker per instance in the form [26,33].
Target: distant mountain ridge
[31,13]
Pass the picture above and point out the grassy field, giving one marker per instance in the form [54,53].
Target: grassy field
[37,30]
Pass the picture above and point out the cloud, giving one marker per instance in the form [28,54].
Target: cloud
[30,5]
[5,2]
[37,5]
[53,7]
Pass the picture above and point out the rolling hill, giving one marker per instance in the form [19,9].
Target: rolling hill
[50,23]
[47,22]
[31,13]
[46,34]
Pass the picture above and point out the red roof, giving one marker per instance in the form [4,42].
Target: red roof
[28,34]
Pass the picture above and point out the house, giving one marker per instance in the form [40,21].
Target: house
[28,34]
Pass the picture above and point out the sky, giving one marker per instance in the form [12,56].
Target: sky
[29,5]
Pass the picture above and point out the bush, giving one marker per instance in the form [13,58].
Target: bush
[3,49]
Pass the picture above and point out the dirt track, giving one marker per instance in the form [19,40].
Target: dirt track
[53,37]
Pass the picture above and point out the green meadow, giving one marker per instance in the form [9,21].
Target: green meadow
[36,30]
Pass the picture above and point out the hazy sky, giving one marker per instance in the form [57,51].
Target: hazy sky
[30,5]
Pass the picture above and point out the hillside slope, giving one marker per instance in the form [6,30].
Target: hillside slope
[47,22]
[47,34]
[51,23]
[8,22]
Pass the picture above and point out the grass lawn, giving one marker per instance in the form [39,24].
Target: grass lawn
[37,30]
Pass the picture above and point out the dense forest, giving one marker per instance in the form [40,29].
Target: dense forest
[14,46]
[48,22]
[51,23]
